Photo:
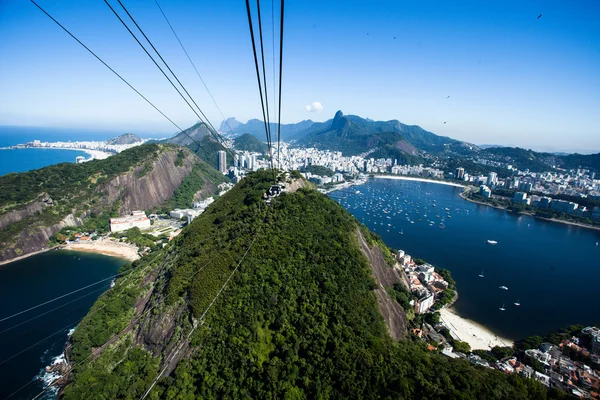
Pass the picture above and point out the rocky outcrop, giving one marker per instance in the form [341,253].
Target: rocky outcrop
[30,209]
[385,276]
[142,188]
[36,239]
[139,191]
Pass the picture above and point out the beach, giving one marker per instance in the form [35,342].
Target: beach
[408,178]
[94,154]
[477,336]
[106,247]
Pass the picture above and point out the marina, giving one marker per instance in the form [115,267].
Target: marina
[537,260]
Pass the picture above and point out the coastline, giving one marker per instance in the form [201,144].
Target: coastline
[94,154]
[596,228]
[408,178]
[476,335]
[105,247]
[25,256]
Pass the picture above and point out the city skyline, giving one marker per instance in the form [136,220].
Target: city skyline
[482,73]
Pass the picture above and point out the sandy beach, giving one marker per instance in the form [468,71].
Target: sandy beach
[96,154]
[106,247]
[408,178]
[468,331]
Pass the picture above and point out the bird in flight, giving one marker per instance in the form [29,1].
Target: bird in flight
[444,122]
[448,97]
[539,16]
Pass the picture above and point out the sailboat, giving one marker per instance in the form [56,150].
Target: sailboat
[402,232]
[481,274]
[502,308]
[518,302]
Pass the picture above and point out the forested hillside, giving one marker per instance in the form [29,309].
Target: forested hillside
[262,301]
[247,142]
[199,139]
[35,205]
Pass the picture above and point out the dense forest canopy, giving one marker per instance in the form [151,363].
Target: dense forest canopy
[299,318]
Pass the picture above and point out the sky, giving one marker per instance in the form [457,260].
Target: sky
[513,78]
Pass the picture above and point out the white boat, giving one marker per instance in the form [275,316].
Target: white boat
[503,288]
[481,274]
[502,308]
[492,242]
[518,302]
[402,232]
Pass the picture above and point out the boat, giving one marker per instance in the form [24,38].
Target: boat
[481,274]
[503,288]
[518,302]
[492,242]
[402,232]
[502,308]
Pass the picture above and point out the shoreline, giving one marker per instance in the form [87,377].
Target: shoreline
[105,247]
[477,336]
[94,154]
[560,221]
[108,248]
[5,262]
[408,178]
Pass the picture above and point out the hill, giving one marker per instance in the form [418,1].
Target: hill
[247,142]
[540,162]
[354,135]
[199,139]
[256,128]
[127,138]
[36,205]
[262,301]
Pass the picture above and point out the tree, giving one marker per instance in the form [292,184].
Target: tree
[502,352]
[462,347]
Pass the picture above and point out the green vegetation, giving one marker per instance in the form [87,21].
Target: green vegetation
[461,347]
[354,135]
[67,181]
[72,188]
[135,236]
[191,184]
[299,318]
[533,342]
[318,170]
[393,152]
[247,142]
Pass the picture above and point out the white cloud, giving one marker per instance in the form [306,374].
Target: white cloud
[315,106]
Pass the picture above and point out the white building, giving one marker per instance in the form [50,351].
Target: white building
[485,191]
[426,272]
[222,160]
[136,219]
[424,303]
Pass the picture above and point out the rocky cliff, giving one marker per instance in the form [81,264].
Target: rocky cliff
[145,185]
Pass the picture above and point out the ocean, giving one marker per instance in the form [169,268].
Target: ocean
[21,160]
[33,340]
[552,269]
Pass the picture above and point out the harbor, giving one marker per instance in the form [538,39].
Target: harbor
[431,221]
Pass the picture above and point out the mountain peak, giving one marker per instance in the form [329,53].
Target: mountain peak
[339,120]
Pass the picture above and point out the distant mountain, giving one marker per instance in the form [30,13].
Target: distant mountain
[128,138]
[247,142]
[353,135]
[199,139]
[229,123]
[538,162]
[256,128]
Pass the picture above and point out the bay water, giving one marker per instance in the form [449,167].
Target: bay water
[551,269]
[32,340]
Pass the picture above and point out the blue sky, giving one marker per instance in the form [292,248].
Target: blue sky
[512,79]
